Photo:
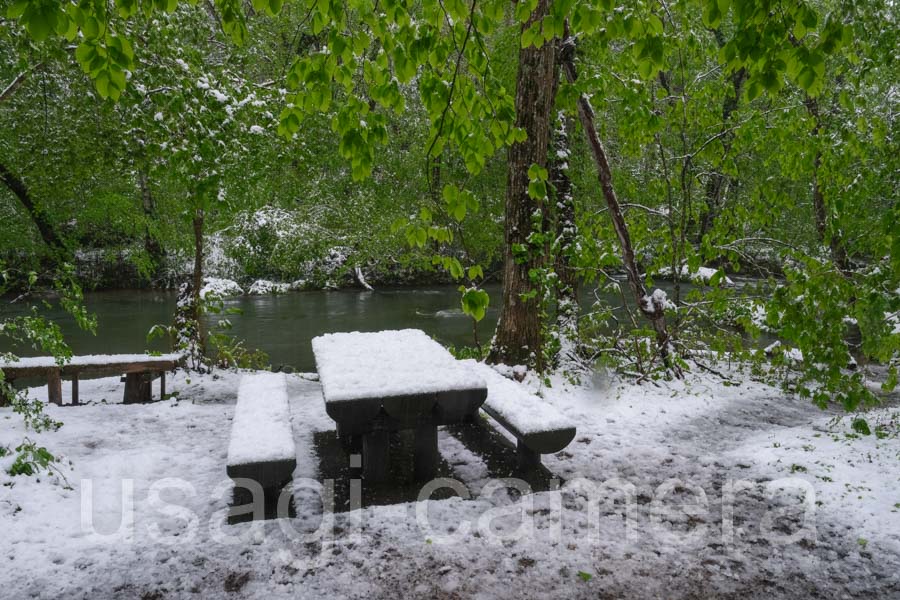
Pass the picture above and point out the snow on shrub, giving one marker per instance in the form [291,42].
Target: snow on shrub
[701,275]
[262,287]
[220,287]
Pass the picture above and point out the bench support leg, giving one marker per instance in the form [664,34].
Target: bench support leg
[376,454]
[527,459]
[162,385]
[426,452]
[75,390]
[54,387]
[137,389]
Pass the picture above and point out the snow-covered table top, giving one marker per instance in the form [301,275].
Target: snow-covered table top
[384,364]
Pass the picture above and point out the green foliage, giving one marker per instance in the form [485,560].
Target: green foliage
[719,117]
[469,352]
[31,459]
[46,337]
[474,302]
[860,426]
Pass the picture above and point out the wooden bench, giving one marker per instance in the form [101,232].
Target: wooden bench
[538,427]
[261,448]
[139,371]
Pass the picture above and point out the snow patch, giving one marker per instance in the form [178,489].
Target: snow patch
[263,287]
[261,430]
[220,287]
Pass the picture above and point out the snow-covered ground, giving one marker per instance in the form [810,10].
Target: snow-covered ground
[693,489]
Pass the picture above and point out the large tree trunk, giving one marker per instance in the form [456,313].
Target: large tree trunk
[44,227]
[652,307]
[827,232]
[517,339]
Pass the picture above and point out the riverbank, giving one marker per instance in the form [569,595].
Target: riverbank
[689,489]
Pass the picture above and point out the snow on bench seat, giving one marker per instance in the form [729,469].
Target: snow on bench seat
[88,360]
[538,427]
[382,364]
[262,440]
[139,369]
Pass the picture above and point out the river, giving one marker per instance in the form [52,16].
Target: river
[281,325]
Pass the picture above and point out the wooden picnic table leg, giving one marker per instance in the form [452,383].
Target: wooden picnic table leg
[54,387]
[376,454]
[162,385]
[75,389]
[425,452]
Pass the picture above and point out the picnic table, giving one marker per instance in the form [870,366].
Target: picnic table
[376,383]
[139,371]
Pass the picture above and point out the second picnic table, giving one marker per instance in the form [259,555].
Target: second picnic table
[376,383]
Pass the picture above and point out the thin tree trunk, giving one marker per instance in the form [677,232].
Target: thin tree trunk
[151,245]
[569,359]
[829,235]
[652,307]
[44,227]
[517,339]
[566,229]
[718,183]
[197,279]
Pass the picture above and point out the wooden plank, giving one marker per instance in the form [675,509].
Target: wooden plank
[75,390]
[100,369]
[54,387]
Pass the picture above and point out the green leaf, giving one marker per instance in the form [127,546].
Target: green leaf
[860,426]
[585,576]
[475,302]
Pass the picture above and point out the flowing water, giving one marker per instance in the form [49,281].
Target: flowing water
[281,325]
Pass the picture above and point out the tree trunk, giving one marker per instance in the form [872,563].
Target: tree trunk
[718,183]
[827,232]
[567,309]
[517,339]
[197,279]
[652,307]
[44,227]
[566,229]
[151,245]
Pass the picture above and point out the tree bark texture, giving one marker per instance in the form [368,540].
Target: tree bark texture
[151,245]
[517,339]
